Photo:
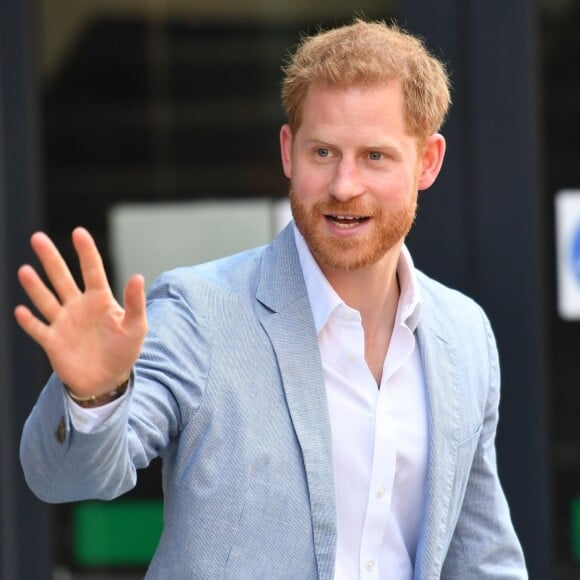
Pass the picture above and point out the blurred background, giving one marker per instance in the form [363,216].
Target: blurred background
[155,124]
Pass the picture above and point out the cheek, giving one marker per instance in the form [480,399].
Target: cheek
[395,184]
[309,184]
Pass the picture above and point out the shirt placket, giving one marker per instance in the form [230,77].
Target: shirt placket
[380,489]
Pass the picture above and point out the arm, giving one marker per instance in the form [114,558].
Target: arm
[62,464]
[484,543]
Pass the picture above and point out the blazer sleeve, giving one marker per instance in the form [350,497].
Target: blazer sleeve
[61,464]
[484,544]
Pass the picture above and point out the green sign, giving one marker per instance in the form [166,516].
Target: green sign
[117,533]
[576,529]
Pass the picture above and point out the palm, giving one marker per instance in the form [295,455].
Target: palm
[90,340]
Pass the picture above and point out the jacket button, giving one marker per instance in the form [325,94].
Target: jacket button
[60,432]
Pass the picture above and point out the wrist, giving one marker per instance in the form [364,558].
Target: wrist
[89,401]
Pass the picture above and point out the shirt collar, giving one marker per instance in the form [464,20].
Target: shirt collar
[324,299]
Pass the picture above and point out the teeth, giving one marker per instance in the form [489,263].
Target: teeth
[346,221]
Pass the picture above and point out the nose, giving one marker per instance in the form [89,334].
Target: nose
[346,181]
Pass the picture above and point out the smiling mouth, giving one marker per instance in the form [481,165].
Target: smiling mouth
[346,221]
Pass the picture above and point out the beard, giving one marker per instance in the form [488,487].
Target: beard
[388,228]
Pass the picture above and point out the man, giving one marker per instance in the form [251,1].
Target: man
[322,409]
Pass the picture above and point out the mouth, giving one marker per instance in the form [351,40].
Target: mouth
[346,221]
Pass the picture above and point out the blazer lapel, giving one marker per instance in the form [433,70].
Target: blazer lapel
[440,370]
[289,324]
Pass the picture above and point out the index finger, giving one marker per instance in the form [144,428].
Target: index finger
[54,266]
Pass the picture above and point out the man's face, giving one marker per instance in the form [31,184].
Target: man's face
[354,174]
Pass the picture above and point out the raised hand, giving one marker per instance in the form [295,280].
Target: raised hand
[90,340]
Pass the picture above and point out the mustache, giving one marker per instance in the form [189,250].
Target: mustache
[337,207]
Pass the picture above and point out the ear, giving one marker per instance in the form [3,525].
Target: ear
[286,149]
[431,160]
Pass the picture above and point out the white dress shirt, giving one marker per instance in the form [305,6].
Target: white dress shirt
[379,436]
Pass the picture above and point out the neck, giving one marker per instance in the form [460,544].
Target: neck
[374,292]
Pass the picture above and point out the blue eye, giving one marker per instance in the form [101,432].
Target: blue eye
[375,156]
[322,152]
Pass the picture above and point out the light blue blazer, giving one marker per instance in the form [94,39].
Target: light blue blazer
[229,392]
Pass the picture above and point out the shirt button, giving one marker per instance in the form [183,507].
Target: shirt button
[370,565]
[380,491]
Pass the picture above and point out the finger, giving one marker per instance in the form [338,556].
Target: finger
[55,267]
[135,320]
[34,327]
[42,297]
[92,268]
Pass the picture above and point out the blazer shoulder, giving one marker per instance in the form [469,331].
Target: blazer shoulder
[448,302]
[232,275]
[270,274]
[455,317]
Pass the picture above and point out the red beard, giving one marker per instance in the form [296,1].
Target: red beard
[387,230]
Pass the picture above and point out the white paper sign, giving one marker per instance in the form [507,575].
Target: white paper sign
[567,213]
[150,238]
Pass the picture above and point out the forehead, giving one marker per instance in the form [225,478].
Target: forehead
[377,108]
